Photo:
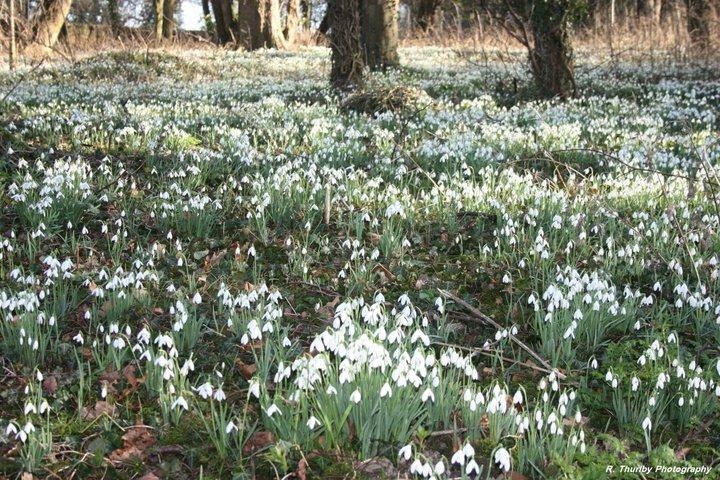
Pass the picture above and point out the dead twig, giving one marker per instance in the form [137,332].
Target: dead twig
[482,318]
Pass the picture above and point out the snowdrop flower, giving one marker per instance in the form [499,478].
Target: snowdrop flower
[272,410]
[647,424]
[254,389]
[313,422]
[355,396]
[472,468]
[502,458]
[416,467]
[405,452]
[428,395]
[439,468]
[180,402]
[219,395]
[197,299]
[205,390]
[458,457]
[468,450]
[386,391]
[230,427]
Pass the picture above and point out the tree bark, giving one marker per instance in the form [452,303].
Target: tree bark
[306,9]
[222,12]
[249,27]
[292,21]
[347,59]
[551,57]
[650,10]
[379,30]
[13,49]
[259,24]
[209,27]
[272,25]
[169,26]
[426,13]
[48,24]
[114,16]
[159,19]
[698,23]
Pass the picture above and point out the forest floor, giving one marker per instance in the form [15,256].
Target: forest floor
[213,267]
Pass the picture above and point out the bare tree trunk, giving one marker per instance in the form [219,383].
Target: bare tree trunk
[48,23]
[259,24]
[13,47]
[209,26]
[379,30]
[292,20]
[250,24]
[169,26]
[551,56]
[224,25]
[347,59]
[306,8]
[657,12]
[698,23]
[272,25]
[159,19]
[427,10]
[114,16]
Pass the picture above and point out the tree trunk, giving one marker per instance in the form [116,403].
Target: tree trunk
[292,20]
[306,9]
[259,24]
[250,24]
[13,49]
[222,12]
[114,16]
[551,58]
[347,58]
[159,19]
[698,23]
[209,27]
[48,23]
[272,25]
[169,26]
[379,30]
[426,13]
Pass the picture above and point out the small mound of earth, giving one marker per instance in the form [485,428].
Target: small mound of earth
[138,67]
[387,99]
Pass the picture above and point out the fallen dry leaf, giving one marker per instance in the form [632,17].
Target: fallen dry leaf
[513,475]
[376,468]
[571,422]
[136,441]
[100,408]
[214,260]
[129,373]
[50,385]
[246,370]
[682,453]
[257,441]
[301,472]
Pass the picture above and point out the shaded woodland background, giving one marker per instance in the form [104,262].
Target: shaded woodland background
[364,33]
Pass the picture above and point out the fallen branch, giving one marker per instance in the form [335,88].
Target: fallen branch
[480,317]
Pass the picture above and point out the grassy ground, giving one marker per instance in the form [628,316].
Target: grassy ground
[213,267]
